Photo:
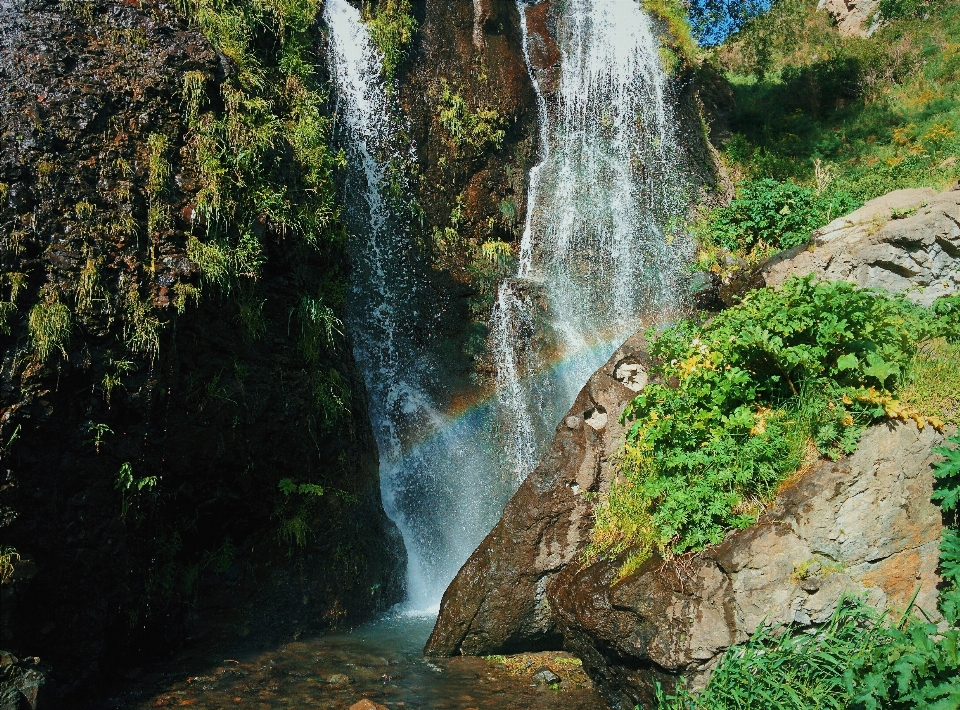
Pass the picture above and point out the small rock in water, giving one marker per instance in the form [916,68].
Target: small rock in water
[545,676]
[339,679]
[368,705]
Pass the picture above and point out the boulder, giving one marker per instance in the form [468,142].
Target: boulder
[854,18]
[907,241]
[864,526]
[23,683]
[497,603]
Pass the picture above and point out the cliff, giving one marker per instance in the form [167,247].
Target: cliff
[184,453]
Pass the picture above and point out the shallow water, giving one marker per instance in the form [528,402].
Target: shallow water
[381,661]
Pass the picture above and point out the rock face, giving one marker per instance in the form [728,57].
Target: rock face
[499,603]
[907,241]
[863,526]
[216,419]
[854,18]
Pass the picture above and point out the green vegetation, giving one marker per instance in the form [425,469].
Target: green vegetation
[745,395]
[8,559]
[768,215]
[294,509]
[264,159]
[50,324]
[680,49]
[858,659]
[131,488]
[391,28]
[479,130]
[842,119]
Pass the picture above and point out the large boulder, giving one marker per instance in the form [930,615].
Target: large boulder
[907,241]
[854,18]
[498,601]
[864,526]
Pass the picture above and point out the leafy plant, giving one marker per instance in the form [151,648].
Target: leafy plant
[777,214]
[130,486]
[50,324]
[392,26]
[739,399]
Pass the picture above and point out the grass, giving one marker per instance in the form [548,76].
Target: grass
[933,384]
[50,323]
[842,116]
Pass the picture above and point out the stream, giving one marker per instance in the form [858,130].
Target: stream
[381,662]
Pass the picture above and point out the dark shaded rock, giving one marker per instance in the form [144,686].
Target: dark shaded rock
[218,418]
[23,683]
[545,676]
[498,602]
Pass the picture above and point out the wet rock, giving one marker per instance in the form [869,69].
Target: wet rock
[907,241]
[498,602]
[23,683]
[545,676]
[366,704]
[339,679]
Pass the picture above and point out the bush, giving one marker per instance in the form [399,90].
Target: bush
[740,398]
[779,214]
[391,28]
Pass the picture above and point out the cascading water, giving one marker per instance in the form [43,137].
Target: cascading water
[594,246]
[435,469]
[593,260]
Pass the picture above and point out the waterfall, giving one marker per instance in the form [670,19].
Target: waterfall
[595,242]
[437,471]
[594,259]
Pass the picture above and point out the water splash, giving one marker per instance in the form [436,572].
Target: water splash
[437,472]
[598,201]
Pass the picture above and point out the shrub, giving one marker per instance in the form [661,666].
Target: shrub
[740,398]
[391,28]
[779,214]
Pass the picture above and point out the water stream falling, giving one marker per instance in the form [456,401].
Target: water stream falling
[595,257]
[435,469]
[593,260]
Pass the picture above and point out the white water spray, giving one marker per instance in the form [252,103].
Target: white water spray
[435,470]
[594,237]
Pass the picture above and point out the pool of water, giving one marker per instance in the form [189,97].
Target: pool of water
[381,662]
